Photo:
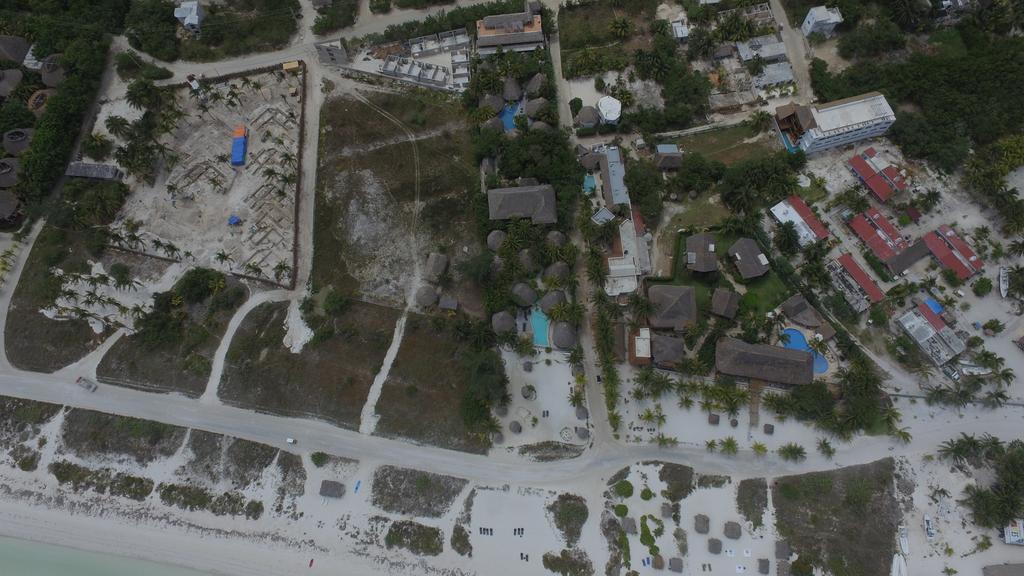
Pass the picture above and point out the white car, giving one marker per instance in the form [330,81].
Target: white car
[290,440]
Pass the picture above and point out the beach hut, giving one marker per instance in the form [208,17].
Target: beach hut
[551,299]
[426,296]
[701,524]
[555,238]
[503,322]
[515,427]
[523,295]
[714,546]
[732,530]
[557,271]
[16,141]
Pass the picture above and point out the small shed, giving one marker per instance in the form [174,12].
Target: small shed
[657,562]
[515,427]
[492,101]
[535,106]
[555,238]
[713,419]
[714,545]
[701,524]
[725,303]
[536,84]
[666,510]
[493,124]
[563,335]
[16,141]
[763,566]
[332,489]
[9,172]
[667,157]
[10,207]
[769,429]
[52,72]
[9,81]
[732,530]
[551,299]
[448,302]
[587,117]
[426,296]
[582,433]
[526,261]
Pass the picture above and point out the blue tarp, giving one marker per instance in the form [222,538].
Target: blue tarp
[234,220]
[238,148]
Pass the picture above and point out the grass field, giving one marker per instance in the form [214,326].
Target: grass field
[731,144]
[842,521]
[328,381]
[586,39]
[426,373]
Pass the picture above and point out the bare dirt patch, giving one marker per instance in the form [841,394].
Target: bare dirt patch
[842,521]
[328,380]
[427,372]
[413,492]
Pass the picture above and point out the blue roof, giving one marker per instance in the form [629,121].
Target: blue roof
[666,149]
[238,147]
[615,177]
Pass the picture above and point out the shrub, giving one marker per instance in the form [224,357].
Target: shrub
[319,459]
[792,452]
[380,6]
[570,514]
[646,493]
[621,510]
[198,284]
[982,287]
[624,489]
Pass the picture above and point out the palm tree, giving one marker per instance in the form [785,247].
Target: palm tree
[760,121]
[711,445]
[759,449]
[1006,376]
[826,449]
[576,356]
[576,397]
[729,446]
[1017,247]
[143,95]
[223,257]
[995,398]
[253,269]
[621,28]
[819,346]
[118,126]
[792,451]
[281,269]
[641,308]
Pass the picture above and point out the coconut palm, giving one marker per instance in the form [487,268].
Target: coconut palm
[711,445]
[118,126]
[1005,376]
[729,446]
[641,308]
[253,269]
[826,449]
[576,356]
[1017,247]
[759,449]
[995,398]
[792,451]
[621,28]
[281,270]
[222,257]
[576,397]
[760,121]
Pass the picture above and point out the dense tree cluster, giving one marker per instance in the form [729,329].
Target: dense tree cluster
[986,174]
[646,187]
[685,91]
[964,99]
[995,505]
[339,14]
[442,20]
[754,183]
[871,39]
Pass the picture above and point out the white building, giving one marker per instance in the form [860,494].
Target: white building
[190,14]
[822,126]
[822,20]
[610,110]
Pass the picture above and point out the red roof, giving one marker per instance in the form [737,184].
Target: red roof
[807,215]
[945,256]
[931,316]
[883,184]
[871,290]
[961,247]
[638,222]
[879,234]
[913,213]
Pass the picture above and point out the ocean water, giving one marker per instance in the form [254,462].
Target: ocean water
[24,558]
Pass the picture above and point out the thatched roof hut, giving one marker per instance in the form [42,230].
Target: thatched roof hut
[701,524]
[675,564]
[725,303]
[563,335]
[515,427]
[493,124]
[555,238]
[332,489]
[535,106]
[511,91]
[495,239]
[675,307]
[426,296]
[16,141]
[658,563]
[437,264]
[10,206]
[628,525]
[763,566]
[714,545]
[582,413]
[526,261]
[9,172]
[551,299]
[9,81]
[52,71]
[492,101]
[732,530]
[540,125]
[503,322]
[557,271]
[782,550]
[773,364]
[582,433]
[536,84]
[523,294]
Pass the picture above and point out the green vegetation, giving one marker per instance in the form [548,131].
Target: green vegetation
[624,489]
[647,535]
[101,481]
[413,492]
[954,115]
[752,500]
[997,504]
[570,514]
[752,184]
[684,90]
[339,14]
[86,433]
[646,188]
[230,28]
[595,36]
[792,451]
[416,538]
[871,39]
[130,66]
[646,494]
[459,17]
[460,541]
[986,173]
[842,521]
[982,286]
[568,563]
[678,481]
[621,510]
[319,459]
[188,497]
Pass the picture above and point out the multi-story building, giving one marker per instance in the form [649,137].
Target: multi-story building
[517,32]
[822,126]
[822,20]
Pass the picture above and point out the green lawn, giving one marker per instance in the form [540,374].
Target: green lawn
[731,144]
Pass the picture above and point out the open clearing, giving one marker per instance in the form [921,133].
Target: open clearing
[427,373]
[328,380]
[731,144]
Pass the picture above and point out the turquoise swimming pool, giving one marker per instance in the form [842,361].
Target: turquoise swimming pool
[798,342]
[539,322]
[508,116]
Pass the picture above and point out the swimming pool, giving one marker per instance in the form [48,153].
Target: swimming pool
[589,183]
[508,116]
[934,305]
[798,342]
[539,322]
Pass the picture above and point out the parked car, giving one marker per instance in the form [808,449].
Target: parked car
[87,384]
[290,440]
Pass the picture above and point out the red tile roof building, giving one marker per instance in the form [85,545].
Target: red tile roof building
[808,227]
[871,290]
[879,234]
[953,253]
[880,177]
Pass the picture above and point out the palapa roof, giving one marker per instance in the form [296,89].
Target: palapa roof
[732,530]
[725,302]
[436,265]
[799,310]
[563,335]
[701,524]
[763,566]
[533,107]
[588,115]
[9,80]
[674,307]
[590,161]
[495,239]
[515,427]
[16,141]
[558,270]
[492,101]
[536,84]
[502,322]
[92,170]
[551,299]
[714,545]
[700,253]
[511,91]
[332,489]
[13,48]
[9,172]
[52,72]
[782,550]
[556,238]
[534,202]
[9,204]
[772,364]
[526,261]
[426,296]
[667,351]
[751,262]
[523,294]
[538,125]
[675,564]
